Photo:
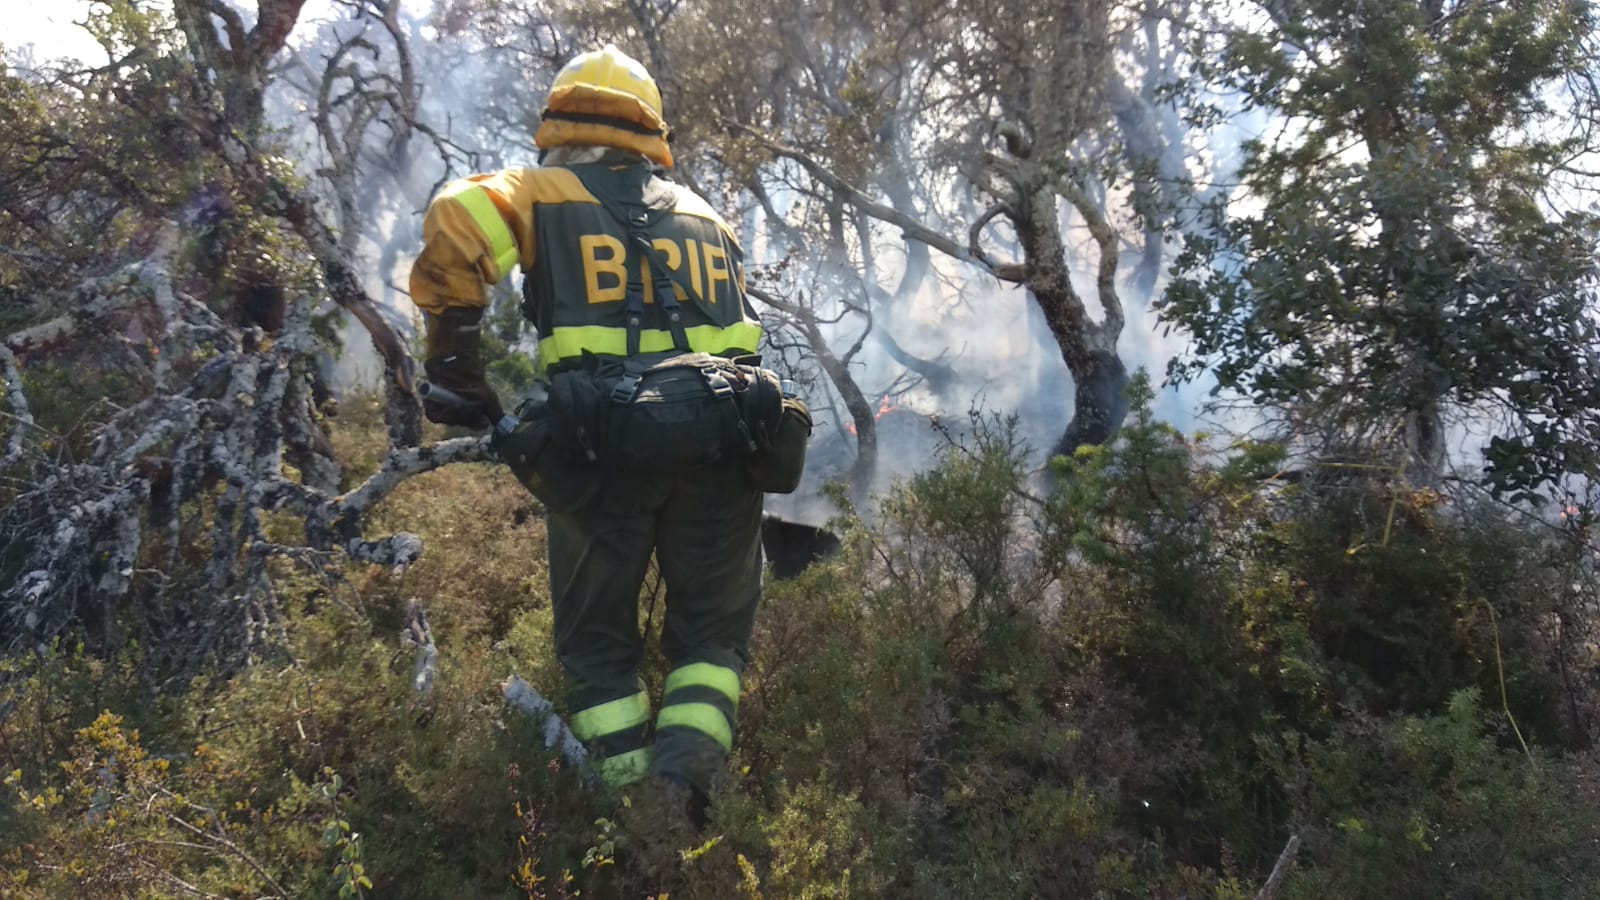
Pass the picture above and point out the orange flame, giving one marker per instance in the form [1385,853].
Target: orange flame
[884,408]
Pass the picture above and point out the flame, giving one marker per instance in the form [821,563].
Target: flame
[884,408]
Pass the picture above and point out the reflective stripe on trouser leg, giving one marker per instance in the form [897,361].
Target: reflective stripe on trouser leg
[617,730]
[626,768]
[709,548]
[701,697]
[598,557]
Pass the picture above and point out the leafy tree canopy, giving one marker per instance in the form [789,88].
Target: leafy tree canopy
[1405,251]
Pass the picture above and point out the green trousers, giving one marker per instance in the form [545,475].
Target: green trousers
[704,526]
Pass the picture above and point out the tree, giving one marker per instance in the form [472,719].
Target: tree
[1008,95]
[985,121]
[183,416]
[1404,252]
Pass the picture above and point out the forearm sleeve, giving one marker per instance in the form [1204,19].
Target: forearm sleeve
[473,235]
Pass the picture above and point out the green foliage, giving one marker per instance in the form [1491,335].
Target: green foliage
[85,178]
[1434,806]
[1134,681]
[1393,260]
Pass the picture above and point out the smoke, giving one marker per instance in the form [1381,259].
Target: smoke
[38,32]
[482,95]
[476,102]
[995,339]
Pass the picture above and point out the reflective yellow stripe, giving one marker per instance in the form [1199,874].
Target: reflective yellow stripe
[475,200]
[702,717]
[703,674]
[625,768]
[610,718]
[571,341]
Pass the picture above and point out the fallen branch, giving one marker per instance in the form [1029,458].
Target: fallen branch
[1280,870]
[557,736]
[404,463]
[419,635]
[209,451]
[94,299]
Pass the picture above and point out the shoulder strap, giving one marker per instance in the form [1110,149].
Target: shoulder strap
[621,192]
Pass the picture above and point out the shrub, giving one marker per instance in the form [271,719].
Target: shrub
[1132,681]
[1433,806]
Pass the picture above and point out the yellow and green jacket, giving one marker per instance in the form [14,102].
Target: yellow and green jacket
[577,260]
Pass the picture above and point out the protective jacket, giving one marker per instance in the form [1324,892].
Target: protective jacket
[579,259]
[583,256]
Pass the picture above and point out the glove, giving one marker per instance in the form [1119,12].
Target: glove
[453,362]
[478,406]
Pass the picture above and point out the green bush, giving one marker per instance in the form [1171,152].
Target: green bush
[1434,806]
[1135,680]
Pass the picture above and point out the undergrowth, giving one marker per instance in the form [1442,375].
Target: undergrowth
[1135,678]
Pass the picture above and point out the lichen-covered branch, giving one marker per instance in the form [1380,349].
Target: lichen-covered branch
[206,454]
[22,416]
[557,736]
[402,464]
[1106,237]
[1280,870]
[94,298]
[227,125]
[419,635]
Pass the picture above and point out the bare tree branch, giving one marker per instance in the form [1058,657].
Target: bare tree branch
[219,840]
[80,529]
[419,635]
[838,372]
[1106,237]
[402,464]
[1280,870]
[859,199]
[1013,272]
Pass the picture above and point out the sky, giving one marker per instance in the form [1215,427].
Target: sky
[49,27]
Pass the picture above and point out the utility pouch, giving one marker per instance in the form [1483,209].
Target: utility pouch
[686,409]
[558,478]
[683,411]
[578,413]
[776,467]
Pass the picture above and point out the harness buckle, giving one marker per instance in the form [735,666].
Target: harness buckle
[626,388]
[717,383]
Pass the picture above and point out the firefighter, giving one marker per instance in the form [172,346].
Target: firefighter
[602,141]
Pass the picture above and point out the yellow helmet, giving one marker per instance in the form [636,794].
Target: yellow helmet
[606,97]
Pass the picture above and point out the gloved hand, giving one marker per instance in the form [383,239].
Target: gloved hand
[453,363]
[481,408]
